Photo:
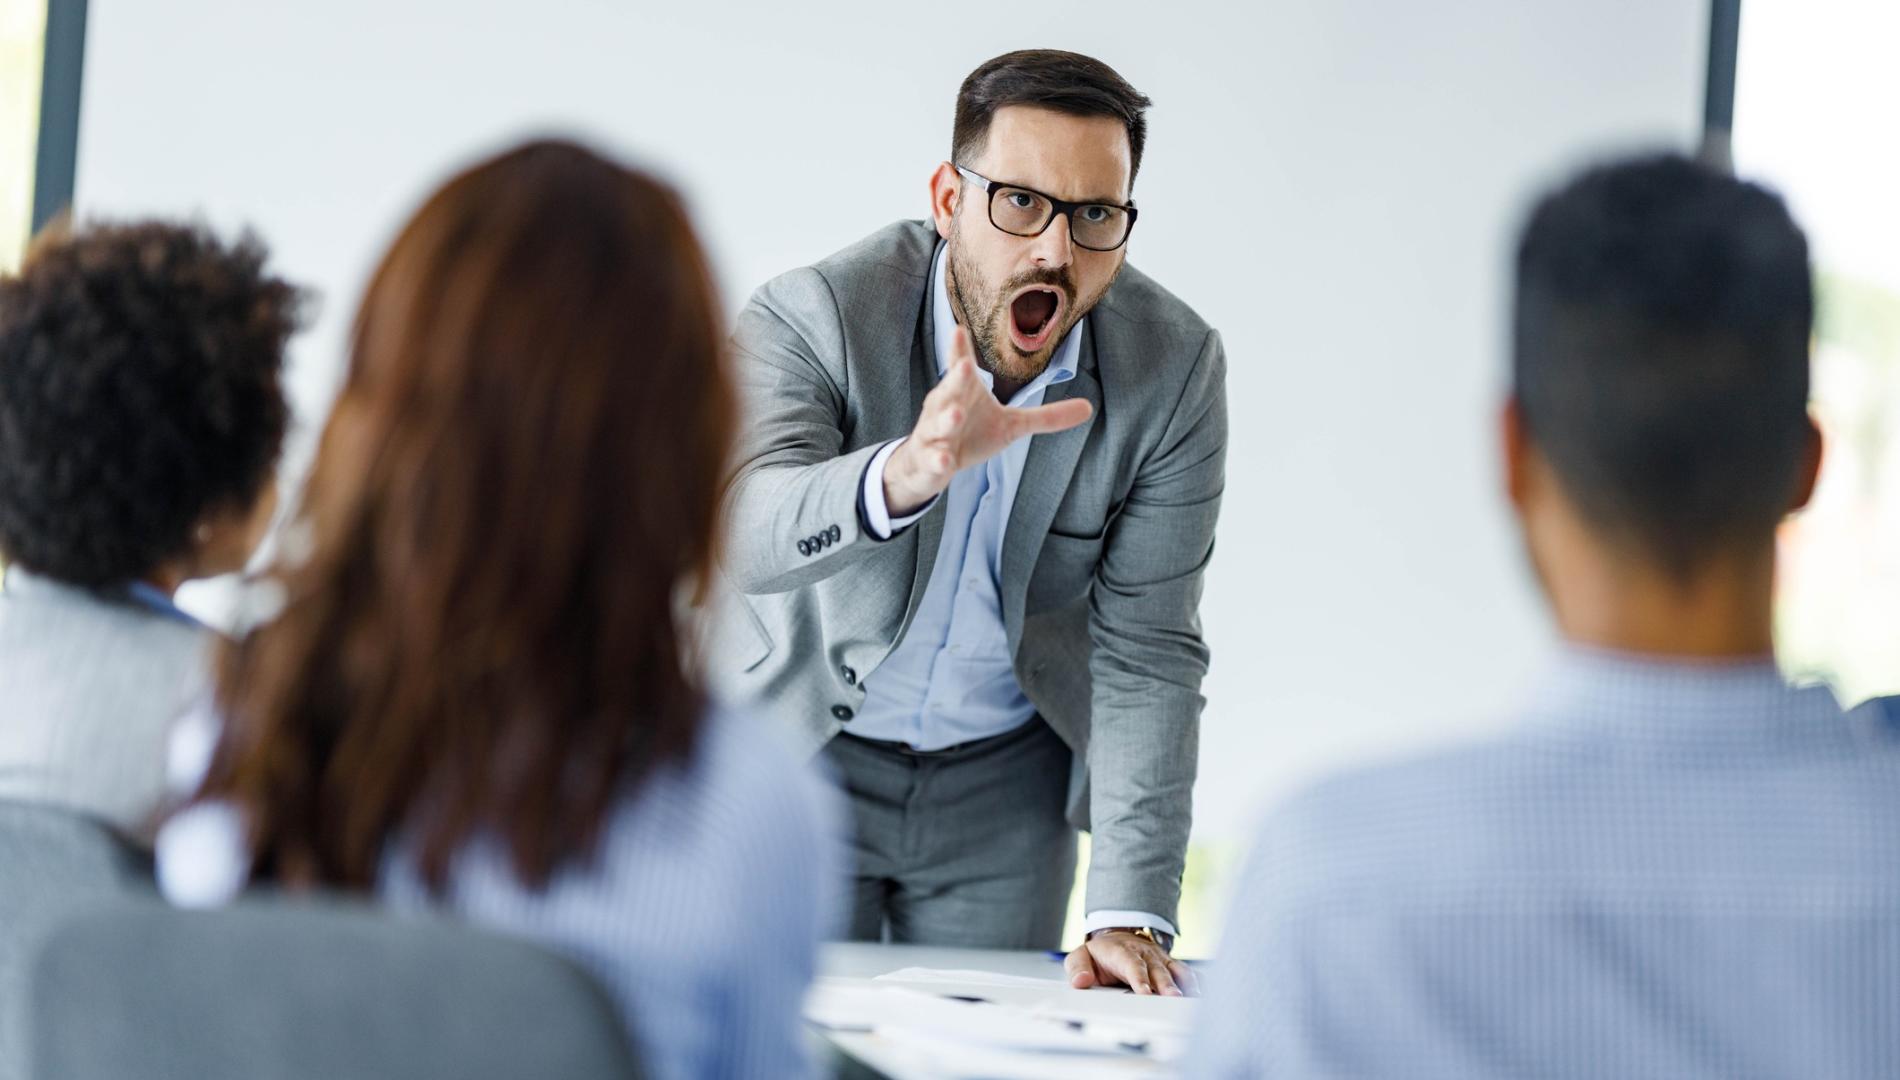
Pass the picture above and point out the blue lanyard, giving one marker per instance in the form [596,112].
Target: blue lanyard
[154,600]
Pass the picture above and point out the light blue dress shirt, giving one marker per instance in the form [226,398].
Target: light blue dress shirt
[1667,870]
[952,679]
[700,914]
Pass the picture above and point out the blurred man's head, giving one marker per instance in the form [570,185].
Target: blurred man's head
[1658,427]
[1036,125]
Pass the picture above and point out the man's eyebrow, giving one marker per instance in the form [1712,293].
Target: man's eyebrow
[1104,200]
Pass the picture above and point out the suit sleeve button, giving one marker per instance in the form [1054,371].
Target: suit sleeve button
[842,712]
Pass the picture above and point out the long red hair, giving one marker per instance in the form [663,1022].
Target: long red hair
[520,476]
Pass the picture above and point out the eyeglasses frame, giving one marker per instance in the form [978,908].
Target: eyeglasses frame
[1060,208]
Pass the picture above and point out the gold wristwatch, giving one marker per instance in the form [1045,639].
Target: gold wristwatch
[1159,937]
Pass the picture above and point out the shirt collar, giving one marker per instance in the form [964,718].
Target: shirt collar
[1061,365]
[22,583]
[159,602]
[1637,698]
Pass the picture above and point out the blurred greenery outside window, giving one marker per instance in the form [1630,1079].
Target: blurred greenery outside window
[1839,594]
[22,34]
[1815,83]
[22,39]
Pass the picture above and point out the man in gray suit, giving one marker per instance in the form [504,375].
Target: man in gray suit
[975,496]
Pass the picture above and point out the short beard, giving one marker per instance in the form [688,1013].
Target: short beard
[971,293]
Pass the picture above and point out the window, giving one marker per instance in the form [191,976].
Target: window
[1815,87]
[22,35]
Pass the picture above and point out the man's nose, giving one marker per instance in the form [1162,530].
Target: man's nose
[1051,248]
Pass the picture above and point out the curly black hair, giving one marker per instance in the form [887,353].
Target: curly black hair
[140,390]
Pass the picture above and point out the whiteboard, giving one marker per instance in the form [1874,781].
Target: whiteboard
[1332,184]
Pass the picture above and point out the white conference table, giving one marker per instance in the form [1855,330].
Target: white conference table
[866,1054]
[861,960]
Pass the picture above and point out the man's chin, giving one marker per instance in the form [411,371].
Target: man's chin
[1019,366]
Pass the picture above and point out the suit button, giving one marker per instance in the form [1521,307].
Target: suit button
[842,712]
[837,534]
[850,677]
[824,540]
[804,547]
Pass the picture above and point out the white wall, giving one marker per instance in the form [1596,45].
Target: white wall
[1333,184]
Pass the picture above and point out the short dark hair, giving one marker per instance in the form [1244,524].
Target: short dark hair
[140,388]
[1660,354]
[1051,79]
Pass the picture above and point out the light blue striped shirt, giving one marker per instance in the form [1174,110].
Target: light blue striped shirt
[90,684]
[1668,870]
[700,916]
[952,679]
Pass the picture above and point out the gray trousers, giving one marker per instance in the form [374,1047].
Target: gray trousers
[964,846]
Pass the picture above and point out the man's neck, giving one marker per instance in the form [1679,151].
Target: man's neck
[1720,613]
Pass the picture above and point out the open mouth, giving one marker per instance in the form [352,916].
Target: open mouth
[1032,317]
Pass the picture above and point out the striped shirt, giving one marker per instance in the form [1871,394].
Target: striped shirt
[700,916]
[90,683]
[1667,870]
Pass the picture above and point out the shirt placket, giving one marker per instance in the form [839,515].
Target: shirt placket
[958,640]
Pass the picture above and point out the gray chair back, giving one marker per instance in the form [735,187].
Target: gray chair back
[280,990]
[52,863]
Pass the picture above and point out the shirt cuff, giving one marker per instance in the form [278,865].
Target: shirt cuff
[1102,920]
[877,513]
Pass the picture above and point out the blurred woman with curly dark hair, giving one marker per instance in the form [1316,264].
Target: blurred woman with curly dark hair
[141,415]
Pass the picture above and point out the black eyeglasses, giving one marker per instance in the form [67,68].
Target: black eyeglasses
[1021,211]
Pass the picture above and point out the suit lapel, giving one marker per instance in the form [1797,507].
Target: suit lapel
[1046,475]
[928,531]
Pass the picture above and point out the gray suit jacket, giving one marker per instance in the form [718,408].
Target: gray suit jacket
[1112,527]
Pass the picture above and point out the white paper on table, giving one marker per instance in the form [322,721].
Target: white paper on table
[1127,1016]
[1150,1013]
[1006,1017]
[970,978]
[1022,993]
[866,1005]
[846,1004]
[942,1055]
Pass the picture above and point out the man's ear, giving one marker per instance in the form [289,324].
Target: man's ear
[1809,472]
[946,187]
[1514,441]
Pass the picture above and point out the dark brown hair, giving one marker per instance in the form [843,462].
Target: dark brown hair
[140,391]
[1660,355]
[520,474]
[1051,79]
